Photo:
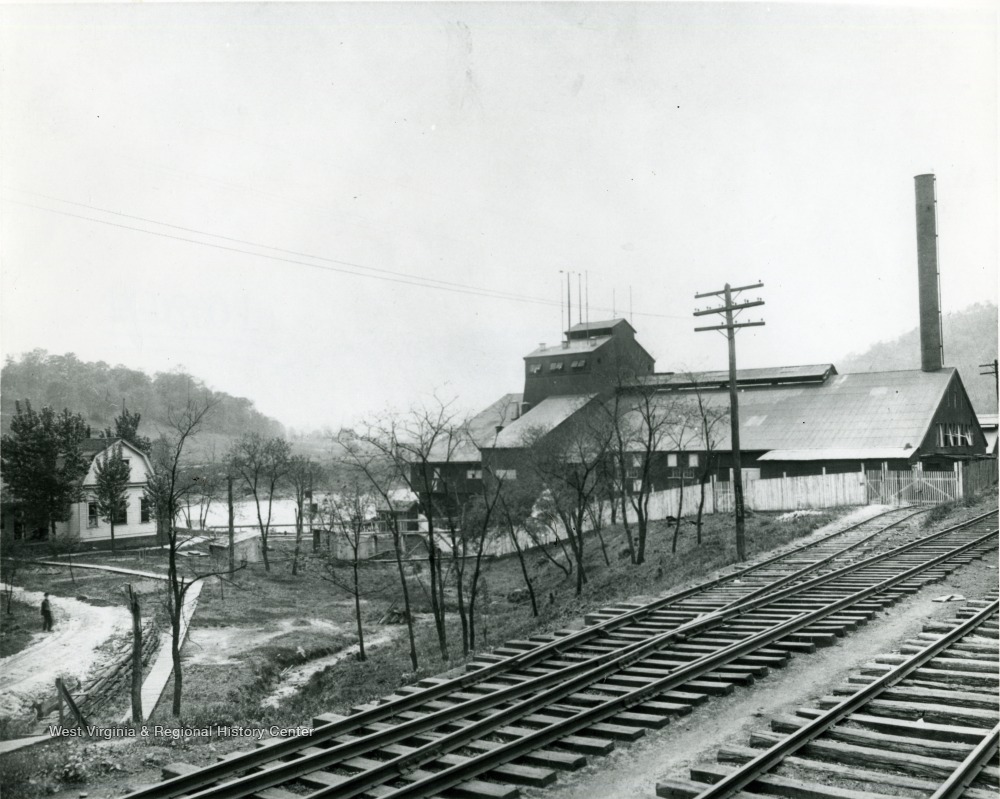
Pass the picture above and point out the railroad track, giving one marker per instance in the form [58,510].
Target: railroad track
[920,722]
[521,719]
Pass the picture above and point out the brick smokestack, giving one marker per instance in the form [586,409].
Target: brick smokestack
[928,277]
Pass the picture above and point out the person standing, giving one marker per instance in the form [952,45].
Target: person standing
[46,614]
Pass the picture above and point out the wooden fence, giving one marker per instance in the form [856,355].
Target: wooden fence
[978,476]
[913,487]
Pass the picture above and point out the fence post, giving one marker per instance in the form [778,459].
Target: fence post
[960,483]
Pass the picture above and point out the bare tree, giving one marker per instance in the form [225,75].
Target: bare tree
[261,463]
[420,444]
[711,420]
[568,466]
[301,473]
[380,474]
[346,514]
[515,503]
[166,489]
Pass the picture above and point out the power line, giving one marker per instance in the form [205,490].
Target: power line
[335,265]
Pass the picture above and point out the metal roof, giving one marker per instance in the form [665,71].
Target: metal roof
[863,411]
[546,415]
[770,375]
[572,347]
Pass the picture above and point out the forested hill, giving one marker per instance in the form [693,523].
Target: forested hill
[97,390]
[970,338]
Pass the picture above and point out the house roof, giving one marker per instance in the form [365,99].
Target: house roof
[546,415]
[987,420]
[571,347]
[866,411]
[480,431]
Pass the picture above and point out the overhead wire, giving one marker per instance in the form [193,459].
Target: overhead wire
[328,264]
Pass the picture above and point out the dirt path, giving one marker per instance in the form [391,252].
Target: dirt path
[632,771]
[70,650]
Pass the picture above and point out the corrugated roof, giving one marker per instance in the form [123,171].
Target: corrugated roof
[546,415]
[772,374]
[860,411]
[570,348]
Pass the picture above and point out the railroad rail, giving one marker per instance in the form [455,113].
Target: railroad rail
[924,722]
[520,719]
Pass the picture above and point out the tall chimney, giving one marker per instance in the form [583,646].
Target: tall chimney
[928,277]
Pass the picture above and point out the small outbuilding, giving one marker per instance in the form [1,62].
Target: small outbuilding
[246,544]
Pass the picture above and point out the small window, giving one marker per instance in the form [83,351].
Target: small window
[578,364]
[693,459]
[556,366]
[474,474]
[92,519]
[121,517]
[143,510]
[535,368]
[506,474]
[672,459]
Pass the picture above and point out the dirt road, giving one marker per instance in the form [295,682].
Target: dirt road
[70,650]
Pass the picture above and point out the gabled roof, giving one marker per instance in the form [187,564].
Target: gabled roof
[608,324]
[480,432]
[866,411]
[546,416]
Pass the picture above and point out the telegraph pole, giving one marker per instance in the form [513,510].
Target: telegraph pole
[991,369]
[731,326]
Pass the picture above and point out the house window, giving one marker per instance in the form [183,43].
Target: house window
[954,435]
[578,364]
[121,517]
[672,459]
[535,368]
[693,459]
[556,366]
[506,474]
[474,474]
[92,519]
[143,510]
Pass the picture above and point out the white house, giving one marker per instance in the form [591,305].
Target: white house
[136,522]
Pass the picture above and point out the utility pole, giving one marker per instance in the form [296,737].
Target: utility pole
[991,369]
[232,543]
[731,326]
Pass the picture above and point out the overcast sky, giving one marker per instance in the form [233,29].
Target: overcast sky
[331,208]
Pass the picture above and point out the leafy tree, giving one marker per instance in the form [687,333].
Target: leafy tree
[112,475]
[127,427]
[43,464]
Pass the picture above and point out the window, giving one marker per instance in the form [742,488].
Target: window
[578,364]
[672,459]
[121,517]
[92,520]
[144,514]
[693,459]
[474,474]
[556,366]
[954,435]
[506,474]
[535,368]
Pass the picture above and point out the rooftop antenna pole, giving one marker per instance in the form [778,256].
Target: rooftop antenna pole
[569,304]
[561,303]
[579,298]
[586,279]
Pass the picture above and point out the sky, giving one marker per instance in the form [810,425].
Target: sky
[335,208]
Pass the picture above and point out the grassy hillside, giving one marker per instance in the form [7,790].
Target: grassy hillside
[970,338]
[97,391]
